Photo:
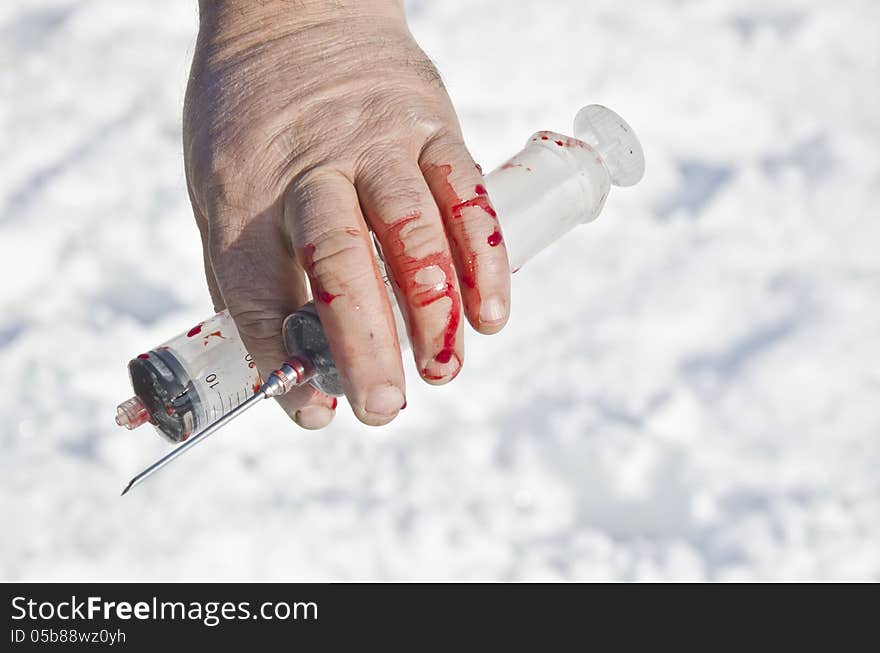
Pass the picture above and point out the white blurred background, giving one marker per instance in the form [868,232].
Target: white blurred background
[689,388]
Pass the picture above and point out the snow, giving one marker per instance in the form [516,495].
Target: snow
[688,389]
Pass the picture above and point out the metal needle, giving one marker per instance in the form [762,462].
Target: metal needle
[292,373]
[203,435]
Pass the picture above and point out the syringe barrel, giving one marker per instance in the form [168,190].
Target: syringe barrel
[552,185]
[192,380]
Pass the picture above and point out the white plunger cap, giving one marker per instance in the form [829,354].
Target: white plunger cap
[614,140]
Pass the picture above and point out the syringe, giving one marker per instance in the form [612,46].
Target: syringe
[204,377]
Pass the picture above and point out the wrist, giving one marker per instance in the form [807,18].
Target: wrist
[294,13]
[230,28]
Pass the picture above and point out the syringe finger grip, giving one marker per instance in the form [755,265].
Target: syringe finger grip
[304,338]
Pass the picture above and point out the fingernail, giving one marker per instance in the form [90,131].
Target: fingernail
[436,371]
[384,400]
[492,310]
[314,417]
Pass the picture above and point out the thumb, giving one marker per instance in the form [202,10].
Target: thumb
[261,284]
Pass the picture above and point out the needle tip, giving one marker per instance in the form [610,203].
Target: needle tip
[127,488]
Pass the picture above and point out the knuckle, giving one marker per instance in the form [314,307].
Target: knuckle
[317,192]
[427,71]
[418,239]
[337,253]
[392,190]
[380,163]
[448,146]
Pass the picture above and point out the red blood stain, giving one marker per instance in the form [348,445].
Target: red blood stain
[143,356]
[256,387]
[453,207]
[196,330]
[213,334]
[334,403]
[494,238]
[478,167]
[309,252]
[565,141]
[407,267]
[430,376]
[511,164]
[481,201]
[468,258]
[309,261]
[444,356]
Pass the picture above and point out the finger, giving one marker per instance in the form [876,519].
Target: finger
[261,284]
[401,211]
[334,247]
[473,230]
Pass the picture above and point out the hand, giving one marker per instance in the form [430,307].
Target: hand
[308,125]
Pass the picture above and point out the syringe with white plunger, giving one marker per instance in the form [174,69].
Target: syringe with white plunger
[201,379]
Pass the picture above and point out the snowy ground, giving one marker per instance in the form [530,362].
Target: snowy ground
[689,388]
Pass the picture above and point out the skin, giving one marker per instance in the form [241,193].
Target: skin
[310,127]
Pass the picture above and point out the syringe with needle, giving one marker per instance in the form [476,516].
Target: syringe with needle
[292,373]
[195,383]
